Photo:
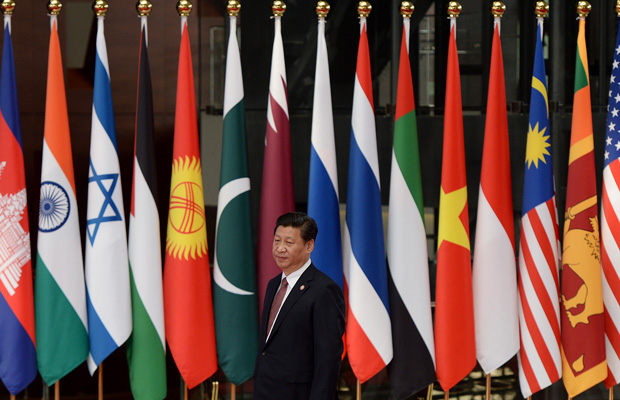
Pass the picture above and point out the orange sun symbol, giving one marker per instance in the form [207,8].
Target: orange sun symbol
[187,233]
[537,146]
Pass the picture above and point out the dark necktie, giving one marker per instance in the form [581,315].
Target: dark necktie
[275,305]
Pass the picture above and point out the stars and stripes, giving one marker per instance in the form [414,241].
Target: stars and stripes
[610,225]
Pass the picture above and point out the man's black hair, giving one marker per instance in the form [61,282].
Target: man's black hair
[307,225]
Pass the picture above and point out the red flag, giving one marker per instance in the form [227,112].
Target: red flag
[454,312]
[277,195]
[188,304]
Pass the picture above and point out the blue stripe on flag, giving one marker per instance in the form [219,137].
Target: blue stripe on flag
[102,100]
[365,221]
[8,88]
[324,208]
[101,343]
[17,352]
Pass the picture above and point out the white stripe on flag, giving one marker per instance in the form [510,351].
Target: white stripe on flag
[366,305]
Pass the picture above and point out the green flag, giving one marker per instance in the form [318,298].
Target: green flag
[234,272]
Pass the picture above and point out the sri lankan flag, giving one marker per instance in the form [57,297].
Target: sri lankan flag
[583,331]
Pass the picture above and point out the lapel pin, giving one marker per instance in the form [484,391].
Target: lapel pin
[302,287]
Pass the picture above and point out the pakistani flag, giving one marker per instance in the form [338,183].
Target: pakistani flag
[146,347]
[234,272]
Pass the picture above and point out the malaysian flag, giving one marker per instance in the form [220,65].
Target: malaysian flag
[539,289]
[610,225]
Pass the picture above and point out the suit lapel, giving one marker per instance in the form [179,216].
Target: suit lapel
[304,281]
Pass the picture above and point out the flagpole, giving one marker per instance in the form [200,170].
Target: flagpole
[446,394]
[488,386]
[611,393]
[100,383]
[429,391]
[358,392]
[215,389]
[233,391]
[57,390]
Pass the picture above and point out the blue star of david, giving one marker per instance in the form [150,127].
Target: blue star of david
[107,203]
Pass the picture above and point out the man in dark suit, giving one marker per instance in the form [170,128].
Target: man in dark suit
[300,337]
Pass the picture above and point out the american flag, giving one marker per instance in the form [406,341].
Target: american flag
[610,225]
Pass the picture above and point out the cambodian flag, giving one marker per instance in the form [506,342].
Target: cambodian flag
[18,365]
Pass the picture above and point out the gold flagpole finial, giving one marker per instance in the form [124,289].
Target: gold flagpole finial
[144,7]
[406,9]
[363,9]
[7,7]
[498,9]
[100,7]
[617,8]
[233,7]
[454,9]
[278,8]
[184,8]
[322,9]
[54,7]
[583,8]
[542,9]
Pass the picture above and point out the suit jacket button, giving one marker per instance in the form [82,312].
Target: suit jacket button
[264,353]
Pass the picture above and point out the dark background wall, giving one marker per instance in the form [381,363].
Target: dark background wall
[208,35]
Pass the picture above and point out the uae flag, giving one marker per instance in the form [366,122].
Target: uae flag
[413,365]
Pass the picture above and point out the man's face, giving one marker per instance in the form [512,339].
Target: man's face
[289,249]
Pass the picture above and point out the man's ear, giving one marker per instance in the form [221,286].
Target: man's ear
[310,246]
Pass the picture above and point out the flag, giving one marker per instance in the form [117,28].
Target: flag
[494,271]
[277,196]
[106,262]
[610,225]
[323,203]
[188,305]
[413,365]
[18,365]
[582,319]
[454,312]
[539,318]
[146,347]
[234,271]
[368,329]
[60,294]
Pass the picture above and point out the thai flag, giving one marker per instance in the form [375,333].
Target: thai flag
[368,327]
[107,264]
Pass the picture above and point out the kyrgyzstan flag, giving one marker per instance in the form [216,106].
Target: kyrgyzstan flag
[188,305]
